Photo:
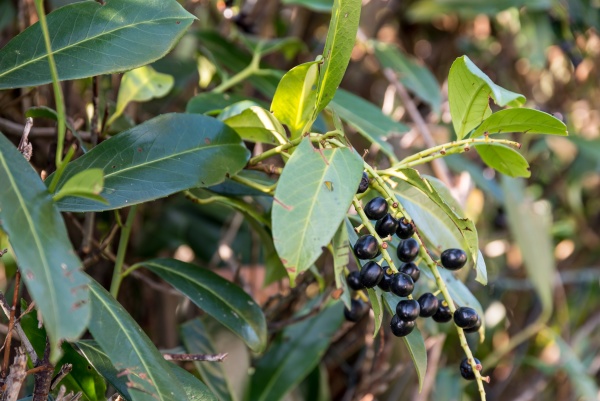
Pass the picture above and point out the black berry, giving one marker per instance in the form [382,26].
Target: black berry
[385,282]
[386,225]
[353,280]
[376,208]
[366,247]
[408,309]
[405,229]
[371,274]
[408,250]
[466,370]
[428,303]
[453,259]
[357,309]
[364,183]
[465,317]
[402,284]
[401,328]
[475,328]
[442,314]
[412,270]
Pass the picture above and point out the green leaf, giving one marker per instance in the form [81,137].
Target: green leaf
[338,49]
[367,119]
[85,184]
[211,103]
[256,124]
[48,263]
[469,90]
[198,341]
[312,197]
[411,73]
[167,154]
[504,159]
[91,39]
[323,6]
[295,98]
[528,121]
[221,299]
[377,306]
[193,387]
[141,85]
[340,248]
[295,353]
[149,375]
[236,108]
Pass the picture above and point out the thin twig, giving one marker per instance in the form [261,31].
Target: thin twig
[24,340]
[3,252]
[195,357]
[16,377]
[24,146]
[64,371]
[11,128]
[11,322]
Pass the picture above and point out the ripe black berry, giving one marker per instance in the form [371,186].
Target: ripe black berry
[386,225]
[357,310]
[353,280]
[408,250]
[405,229]
[402,284]
[366,247]
[475,328]
[408,309]
[442,314]
[385,282]
[453,259]
[376,208]
[364,183]
[428,304]
[412,270]
[465,317]
[466,370]
[401,328]
[371,274]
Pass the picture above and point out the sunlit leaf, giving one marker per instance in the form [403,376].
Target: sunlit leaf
[528,121]
[256,124]
[504,159]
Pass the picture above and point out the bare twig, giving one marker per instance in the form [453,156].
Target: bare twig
[11,322]
[3,252]
[15,129]
[62,396]
[195,357]
[16,377]
[43,376]
[24,146]
[64,370]
[24,340]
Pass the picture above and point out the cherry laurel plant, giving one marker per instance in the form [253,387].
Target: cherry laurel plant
[305,189]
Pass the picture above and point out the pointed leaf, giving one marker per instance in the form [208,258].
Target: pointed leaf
[504,159]
[469,90]
[377,306]
[221,299]
[193,387]
[528,121]
[340,249]
[256,124]
[91,39]
[313,194]
[167,154]
[85,184]
[38,236]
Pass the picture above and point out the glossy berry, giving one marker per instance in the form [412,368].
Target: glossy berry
[364,183]
[412,270]
[401,328]
[405,229]
[408,309]
[475,328]
[466,370]
[371,274]
[428,304]
[402,284]
[465,317]
[366,247]
[353,281]
[453,259]
[376,208]
[442,314]
[386,225]
[408,250]
[357,310]
[385,282]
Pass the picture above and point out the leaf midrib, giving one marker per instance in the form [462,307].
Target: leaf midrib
[463,122]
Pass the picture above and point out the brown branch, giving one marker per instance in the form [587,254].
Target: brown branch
[43,376]
[24,340]
[64,371]
[195,357]
[11,128]
[24,146]
[16,377]
[3,252]
[11,323]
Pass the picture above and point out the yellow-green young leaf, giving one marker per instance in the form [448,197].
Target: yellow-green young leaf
[528,121]
[206,71]
[469,90]
[141,85]
[256,124]
[85,184]
[504,159]
[295,97]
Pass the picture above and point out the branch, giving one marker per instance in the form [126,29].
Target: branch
[14,381]
[24,340]
[11,128]
[195,357]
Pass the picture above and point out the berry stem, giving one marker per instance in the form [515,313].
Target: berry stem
[281,148]
[380,186]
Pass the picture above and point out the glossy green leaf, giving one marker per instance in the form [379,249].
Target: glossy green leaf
[211,103]
[148,374]
[377,306]
[221,299]
[415,76]
[39,239]
[469,90]
[193,387]
[167,154]
[312,197]
[236,108]
[323,6]
[504,159]
[256,124]
[367,119]
[91,39]
[294,355]
[197,341]
[338,49]
[295,98]
[528,121]
[85,184]
[141,85]
[340,249]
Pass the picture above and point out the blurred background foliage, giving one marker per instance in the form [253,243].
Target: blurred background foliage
[540,237]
